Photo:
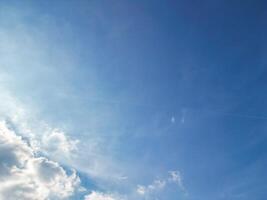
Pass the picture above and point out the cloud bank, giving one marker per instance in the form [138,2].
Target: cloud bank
[27,176]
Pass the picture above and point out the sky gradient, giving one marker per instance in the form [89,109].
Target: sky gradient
[133,100]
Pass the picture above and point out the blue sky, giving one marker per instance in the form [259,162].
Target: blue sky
[150,99]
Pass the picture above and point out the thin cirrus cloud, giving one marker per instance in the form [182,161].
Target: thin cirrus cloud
[26,182]
[124,91]
[33,152]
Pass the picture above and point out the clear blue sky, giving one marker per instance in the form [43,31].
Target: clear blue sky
[148,87]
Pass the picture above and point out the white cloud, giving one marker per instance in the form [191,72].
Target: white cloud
[155,186]
[50,141]
[25,176]
[174,177]
[57,144]
[46,90]
[100,196]
[141,189]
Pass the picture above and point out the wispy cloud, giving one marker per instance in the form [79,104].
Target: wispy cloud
[176,177]
[155,186]
[158,185]
[32,105]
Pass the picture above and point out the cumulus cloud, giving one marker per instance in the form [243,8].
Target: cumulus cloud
[26,176]
[57,144]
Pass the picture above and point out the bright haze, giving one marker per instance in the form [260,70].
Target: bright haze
[133,100]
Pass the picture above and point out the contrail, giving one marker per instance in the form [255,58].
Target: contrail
[115,102]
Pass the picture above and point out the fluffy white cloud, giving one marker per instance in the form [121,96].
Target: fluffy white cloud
[25,176]
[57,144]
[99,196]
